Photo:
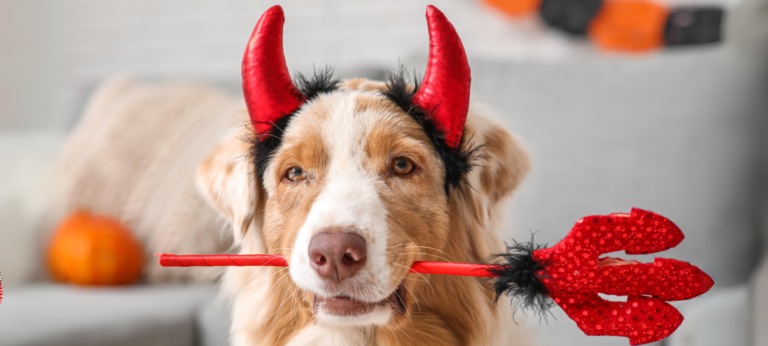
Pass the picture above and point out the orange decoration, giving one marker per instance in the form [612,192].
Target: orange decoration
[515,8]
[629,25]
[89,249]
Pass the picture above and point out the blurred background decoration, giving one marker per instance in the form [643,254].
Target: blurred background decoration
[624,25]
[108,107]
[88,249]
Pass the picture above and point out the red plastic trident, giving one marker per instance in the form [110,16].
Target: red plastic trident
[574,275]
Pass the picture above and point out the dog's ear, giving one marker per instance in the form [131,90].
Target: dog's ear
[503,160]
[501,164]
[227,179]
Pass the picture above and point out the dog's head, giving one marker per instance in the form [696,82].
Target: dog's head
[353,181]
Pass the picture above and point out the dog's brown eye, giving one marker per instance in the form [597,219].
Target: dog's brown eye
[402,165]
[295,174]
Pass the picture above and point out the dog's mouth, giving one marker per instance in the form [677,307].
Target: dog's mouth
[349,306]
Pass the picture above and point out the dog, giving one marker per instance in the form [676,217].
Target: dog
[352,181]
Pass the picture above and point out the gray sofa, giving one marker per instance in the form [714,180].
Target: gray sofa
[137,315]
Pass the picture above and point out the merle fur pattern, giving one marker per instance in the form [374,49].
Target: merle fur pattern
[518,278]
[459,161]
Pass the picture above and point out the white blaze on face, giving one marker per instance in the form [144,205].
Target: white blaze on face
[349,199]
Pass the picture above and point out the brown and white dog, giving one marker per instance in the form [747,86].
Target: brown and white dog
[352,181]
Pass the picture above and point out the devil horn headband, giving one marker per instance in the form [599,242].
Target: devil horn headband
[444,94]
[270,94]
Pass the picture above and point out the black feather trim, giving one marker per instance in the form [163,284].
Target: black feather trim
[265,144]
[458,162]
[518,278]
[321,82]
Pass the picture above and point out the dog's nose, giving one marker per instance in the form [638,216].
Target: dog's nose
[337,256]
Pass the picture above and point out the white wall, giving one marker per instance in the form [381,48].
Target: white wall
[30,64]
[54,51]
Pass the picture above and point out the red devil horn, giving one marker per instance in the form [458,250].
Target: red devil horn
[445,90]
[267,86]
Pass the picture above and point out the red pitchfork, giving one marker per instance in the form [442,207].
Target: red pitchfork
[572,274]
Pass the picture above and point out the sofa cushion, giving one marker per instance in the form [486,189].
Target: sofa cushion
[212,321]
[70,315]
[133,157]
[759,309]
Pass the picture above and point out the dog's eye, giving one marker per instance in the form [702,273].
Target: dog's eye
[402,165]
[295,174]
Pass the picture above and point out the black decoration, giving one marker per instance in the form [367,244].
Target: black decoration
[322,82]
[571,16]
[693,25]
[519,280]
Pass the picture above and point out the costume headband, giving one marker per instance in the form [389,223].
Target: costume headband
[271,95]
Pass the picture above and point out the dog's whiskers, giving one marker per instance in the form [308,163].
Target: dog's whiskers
[423,278]
[450,258]
[293,303]
[403,332]
[440,251]
[282,300]
[283,277]
[412,295]
[425,254]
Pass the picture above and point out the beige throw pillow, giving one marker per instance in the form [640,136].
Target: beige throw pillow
[133,156]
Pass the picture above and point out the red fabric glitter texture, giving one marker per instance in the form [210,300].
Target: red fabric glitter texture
[574,275]
[267,86]
[444,93]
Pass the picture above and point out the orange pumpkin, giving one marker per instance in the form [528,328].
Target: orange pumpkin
[515,8]
[89,249]
[629,25]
